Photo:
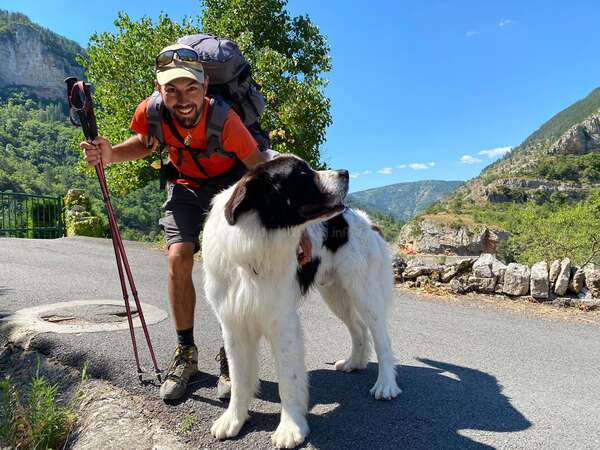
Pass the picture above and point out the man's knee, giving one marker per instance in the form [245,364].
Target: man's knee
[181,258]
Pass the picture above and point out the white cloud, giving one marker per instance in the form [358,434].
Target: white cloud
[468,159]
[494,152]
[505,22]
[418,166]
[431,164]
[354,175]
[402,166]
[367,172]
[385,171]
[471,33]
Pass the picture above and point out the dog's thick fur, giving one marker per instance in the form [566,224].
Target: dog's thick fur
[253,283]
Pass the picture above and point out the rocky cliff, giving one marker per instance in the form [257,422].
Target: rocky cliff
[35,59]
[559,163]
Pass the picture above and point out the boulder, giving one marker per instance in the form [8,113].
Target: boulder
[456,269]
[447,234]
[487,266]
[410,273]
[577,281]
[482,268]
[562,282]
[484,285]
[516,279]
[554,271]
[422,280]
[592,279]
[457,285]
[540,283]
[398,265]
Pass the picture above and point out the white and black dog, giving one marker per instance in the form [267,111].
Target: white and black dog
[254,284]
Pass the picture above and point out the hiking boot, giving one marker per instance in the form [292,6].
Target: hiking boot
[183,365]
[224,383]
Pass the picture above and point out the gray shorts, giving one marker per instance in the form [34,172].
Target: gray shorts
[186,207]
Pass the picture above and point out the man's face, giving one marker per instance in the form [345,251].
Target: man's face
[184,99]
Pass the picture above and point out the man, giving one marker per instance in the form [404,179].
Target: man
[181,82]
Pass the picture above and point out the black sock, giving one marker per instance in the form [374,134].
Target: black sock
[185,337]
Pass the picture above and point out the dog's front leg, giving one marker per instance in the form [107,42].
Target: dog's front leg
[241,348]
[288,350]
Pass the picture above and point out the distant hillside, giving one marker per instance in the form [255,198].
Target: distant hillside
[559,158]
[540,202]
[403,200]
[34,59]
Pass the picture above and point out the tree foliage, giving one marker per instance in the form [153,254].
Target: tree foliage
[553,230]
[120,66]
[288,55]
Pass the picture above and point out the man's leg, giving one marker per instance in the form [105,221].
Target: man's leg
[182,295]
[182,299]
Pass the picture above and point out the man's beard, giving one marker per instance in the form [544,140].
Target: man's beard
[187,121]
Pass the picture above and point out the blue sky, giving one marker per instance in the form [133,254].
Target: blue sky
[421,89]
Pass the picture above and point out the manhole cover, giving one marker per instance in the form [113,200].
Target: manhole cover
[82,316]
[88,314]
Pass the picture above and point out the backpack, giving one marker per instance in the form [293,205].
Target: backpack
[230,86]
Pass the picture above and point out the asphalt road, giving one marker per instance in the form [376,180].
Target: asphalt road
[472,377]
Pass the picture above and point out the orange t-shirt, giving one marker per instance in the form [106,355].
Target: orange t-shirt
[235,138]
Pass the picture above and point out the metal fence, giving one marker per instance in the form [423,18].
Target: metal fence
[31,216]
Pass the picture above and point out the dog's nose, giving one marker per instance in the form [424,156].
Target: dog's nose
[344,174]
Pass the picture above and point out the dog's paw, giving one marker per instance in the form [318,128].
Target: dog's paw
[385,391]
[348,365]
[227,426]
[290,434]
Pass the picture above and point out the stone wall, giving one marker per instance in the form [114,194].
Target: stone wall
[561,282]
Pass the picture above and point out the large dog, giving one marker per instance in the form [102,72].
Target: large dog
[254,284]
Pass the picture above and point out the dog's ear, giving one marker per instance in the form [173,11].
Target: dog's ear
[237,203]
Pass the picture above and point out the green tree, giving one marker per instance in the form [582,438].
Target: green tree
[288,55]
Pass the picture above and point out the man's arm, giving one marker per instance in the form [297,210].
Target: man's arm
[254,158]
[129,150]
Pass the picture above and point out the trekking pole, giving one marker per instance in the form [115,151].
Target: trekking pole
[81,113]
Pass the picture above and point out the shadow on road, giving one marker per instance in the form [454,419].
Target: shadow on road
[436,403]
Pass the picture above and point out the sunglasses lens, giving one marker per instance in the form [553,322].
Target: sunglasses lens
[165,58]
[187,55]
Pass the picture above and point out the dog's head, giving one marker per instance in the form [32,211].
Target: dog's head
[286,192]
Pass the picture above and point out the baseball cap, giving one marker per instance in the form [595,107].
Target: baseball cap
[178,68]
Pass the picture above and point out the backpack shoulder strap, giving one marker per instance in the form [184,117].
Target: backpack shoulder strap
[154,114]
[214,126]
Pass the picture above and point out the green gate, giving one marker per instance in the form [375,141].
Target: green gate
[31,216]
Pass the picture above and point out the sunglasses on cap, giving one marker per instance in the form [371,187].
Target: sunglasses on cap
[183,54]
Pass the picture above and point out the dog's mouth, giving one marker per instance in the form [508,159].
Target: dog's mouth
[312,212]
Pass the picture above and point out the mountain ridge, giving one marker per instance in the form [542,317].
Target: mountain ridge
[403,200]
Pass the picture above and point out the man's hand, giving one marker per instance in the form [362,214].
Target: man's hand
[99,148]
[304,254]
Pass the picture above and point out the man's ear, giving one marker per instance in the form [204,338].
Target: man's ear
[238,202]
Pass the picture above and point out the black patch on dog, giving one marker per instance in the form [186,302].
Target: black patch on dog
[336,232]
[306,274]
[285,192]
